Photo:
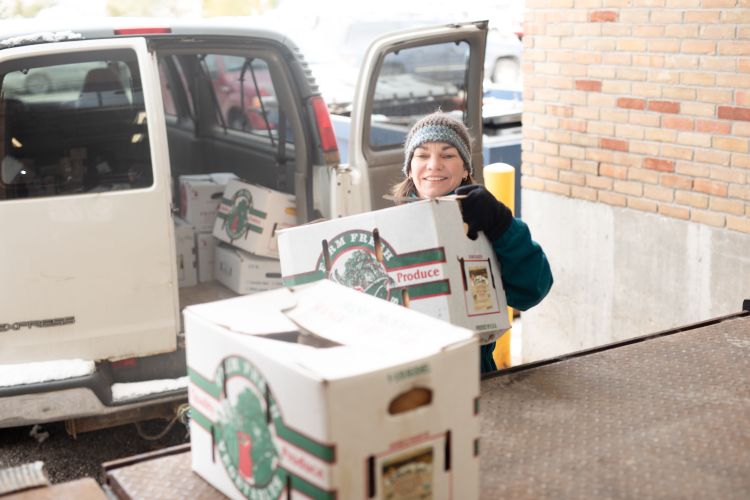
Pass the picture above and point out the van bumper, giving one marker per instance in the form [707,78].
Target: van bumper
[92,394]
[66,404]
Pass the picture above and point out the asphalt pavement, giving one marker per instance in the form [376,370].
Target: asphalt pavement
[66,458]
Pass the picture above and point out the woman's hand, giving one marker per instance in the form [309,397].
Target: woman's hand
[483,212]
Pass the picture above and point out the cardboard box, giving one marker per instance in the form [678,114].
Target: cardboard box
[200,196]
[205,245]
[333,393]
[415,254]
[244,272]
[184,236]
[250,216]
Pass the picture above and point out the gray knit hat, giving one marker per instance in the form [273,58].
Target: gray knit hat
[439,127]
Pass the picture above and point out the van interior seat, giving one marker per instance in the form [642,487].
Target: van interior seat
[102,88]
[105,124]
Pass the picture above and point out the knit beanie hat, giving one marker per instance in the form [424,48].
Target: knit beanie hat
[439,127]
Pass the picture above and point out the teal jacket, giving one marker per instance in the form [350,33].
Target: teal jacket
[525,273]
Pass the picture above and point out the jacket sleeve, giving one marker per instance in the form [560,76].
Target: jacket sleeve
[524,267]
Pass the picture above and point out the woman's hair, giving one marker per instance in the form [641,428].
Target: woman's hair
[407,189]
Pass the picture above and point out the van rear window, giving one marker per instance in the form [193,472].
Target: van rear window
[415,82]
[71,126]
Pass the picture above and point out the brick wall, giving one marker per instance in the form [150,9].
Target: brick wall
[643,104]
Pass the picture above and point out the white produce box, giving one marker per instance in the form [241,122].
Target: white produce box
[250,216]
[334,394]
[415,254]
[244,272]
[184,236]
[200,196]
[205,247]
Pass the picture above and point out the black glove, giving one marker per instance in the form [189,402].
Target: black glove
[483,212]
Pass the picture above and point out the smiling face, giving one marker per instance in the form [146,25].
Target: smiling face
[436,169]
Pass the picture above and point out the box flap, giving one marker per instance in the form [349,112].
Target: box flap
[355,319]
[413,199]
[218,178]
[258,314]
[362,333]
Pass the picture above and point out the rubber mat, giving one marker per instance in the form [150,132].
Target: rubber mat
[161,478]
[664,417]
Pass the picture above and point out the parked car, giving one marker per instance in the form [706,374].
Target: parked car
[502,59]
[66,78]
[89,302]
[335,49]
[241,83]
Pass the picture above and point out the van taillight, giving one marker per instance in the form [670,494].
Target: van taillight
[124,363]
[323,121]
[142,31]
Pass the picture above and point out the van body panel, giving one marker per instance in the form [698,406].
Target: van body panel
[90,274]
[406,75]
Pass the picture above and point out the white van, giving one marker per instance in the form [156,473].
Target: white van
[98,124]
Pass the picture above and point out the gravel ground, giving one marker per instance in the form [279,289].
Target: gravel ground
[66,458]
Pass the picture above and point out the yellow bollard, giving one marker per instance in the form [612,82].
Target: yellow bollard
[499,179]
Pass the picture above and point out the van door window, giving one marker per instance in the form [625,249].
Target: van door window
[72,126]
[245,94]
[240,126]
[178,102]
[415,82]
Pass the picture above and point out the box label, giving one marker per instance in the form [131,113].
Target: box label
[238,215]
[479,287]
[259,453]
[409,476]
[364,261]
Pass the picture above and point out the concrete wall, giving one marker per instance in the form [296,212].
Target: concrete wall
[621,273]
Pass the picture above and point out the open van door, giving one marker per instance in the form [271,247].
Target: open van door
[405,76]
[87,263]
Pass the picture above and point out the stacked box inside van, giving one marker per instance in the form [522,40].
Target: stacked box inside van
[232,228]
[200,196]
[247,221]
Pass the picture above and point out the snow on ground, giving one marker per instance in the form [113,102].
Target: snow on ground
[44,371]
[132,390]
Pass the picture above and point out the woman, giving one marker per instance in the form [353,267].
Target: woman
[437,162]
